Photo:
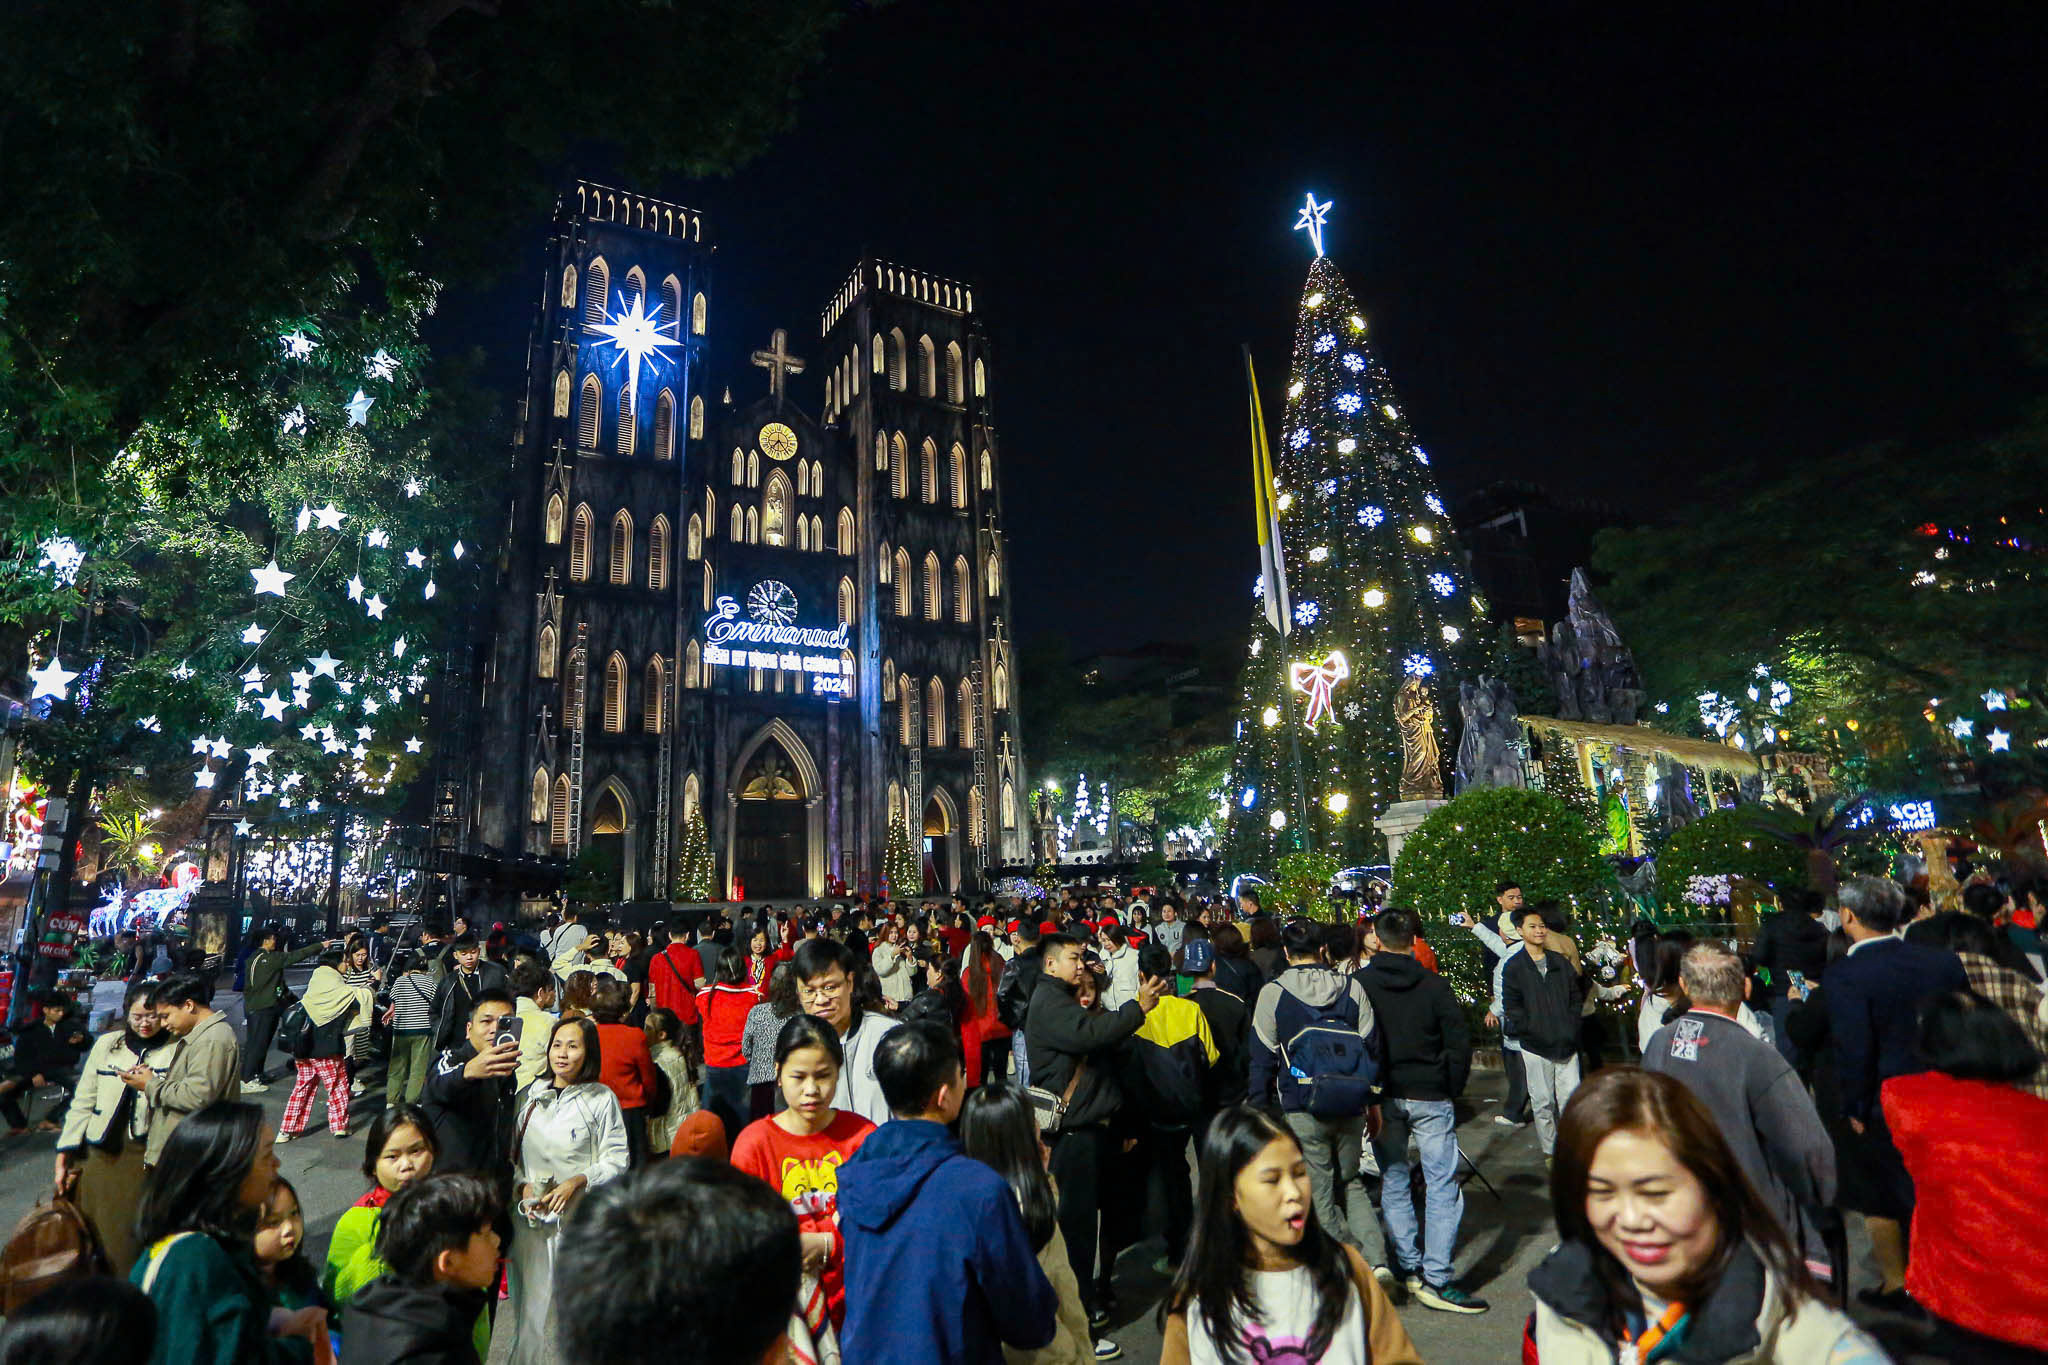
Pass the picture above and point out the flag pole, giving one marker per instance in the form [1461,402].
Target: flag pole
[1272,556]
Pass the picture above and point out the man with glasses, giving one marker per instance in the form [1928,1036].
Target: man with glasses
[825,974]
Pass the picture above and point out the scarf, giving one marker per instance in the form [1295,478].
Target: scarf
[327,996]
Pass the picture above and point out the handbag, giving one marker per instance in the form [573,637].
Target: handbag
[1049,1109]
[53,1244]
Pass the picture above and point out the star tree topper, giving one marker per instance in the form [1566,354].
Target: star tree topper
[1317,681]
[1311,221]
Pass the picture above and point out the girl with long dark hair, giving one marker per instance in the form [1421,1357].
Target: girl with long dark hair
[1662,1240]
[725,1007]
[998,1129]
[982,970]
[1261,1279]
[197,1224]
[800,1151]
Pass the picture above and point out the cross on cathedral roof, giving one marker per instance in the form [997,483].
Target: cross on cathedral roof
[778,362]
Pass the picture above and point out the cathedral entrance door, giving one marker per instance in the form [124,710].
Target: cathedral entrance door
[606,864]
[771,828]
[938,850]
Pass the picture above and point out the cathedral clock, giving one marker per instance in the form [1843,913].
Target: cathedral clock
[778,442]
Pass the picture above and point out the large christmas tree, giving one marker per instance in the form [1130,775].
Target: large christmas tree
[1371,592]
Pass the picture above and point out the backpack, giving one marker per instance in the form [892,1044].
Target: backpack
[295,1031]
[1333,1065]
[54,1243]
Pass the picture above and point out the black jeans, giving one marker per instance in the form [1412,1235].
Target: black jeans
[1167,1165]
[1516,1106]
[1076,1166]
[636,1135]
[726,1095]
[259,1027]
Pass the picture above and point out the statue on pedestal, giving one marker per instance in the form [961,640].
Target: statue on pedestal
[1422,776]
[1488,750]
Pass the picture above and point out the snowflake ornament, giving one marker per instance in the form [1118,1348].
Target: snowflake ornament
[1307,613]
[1347,403]
[1297,439]
[1418,666]
[1442,585]
[1354,362]
[1325,344]
[1371,516]
[1433,503]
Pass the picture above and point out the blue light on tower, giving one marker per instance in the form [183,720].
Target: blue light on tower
[1248,798]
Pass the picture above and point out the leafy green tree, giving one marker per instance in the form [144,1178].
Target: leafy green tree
[181,177]
[1465,848]
[1303,878]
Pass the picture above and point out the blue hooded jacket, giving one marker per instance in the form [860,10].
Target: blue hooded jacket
[938,1265]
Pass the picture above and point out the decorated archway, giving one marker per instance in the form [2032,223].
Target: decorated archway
[775,833]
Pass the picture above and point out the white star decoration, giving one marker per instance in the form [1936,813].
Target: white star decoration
[330,517]
[1962,727]
[414,559]
[375,606]
[244,828]
[1311,221]
[252,681]
[253,634]
[413,487]
[2000,742]
[259,755]
[1994,700]
[273,706]
[309,732]
[52,679]
[182,672]
[297,345]
[380,365]
[355,589]
[638,337]
[359,409]
[271,579]
[220,748]
[203,778]
[201,745]
[378,538]
[412,746]
[324,666]
[295,420]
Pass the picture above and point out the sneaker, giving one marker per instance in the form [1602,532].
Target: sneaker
[1448,1298]
[253,1087]
[1411,1280]
[1105,1349]
[283,1138]
[1386,1276]
[1504,1121]
[1098,1316]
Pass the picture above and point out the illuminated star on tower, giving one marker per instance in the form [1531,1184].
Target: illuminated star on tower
[1311,220]
[637,336]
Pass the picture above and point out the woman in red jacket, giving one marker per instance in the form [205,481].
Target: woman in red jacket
[1967,1135]
[724,1007]
[980,1026]
[624,1063]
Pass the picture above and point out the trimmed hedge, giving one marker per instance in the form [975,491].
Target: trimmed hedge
[1465,848]
[1726,842]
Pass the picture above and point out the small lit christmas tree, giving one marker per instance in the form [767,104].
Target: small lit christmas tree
[694,872]
[902,864]
[1371,591]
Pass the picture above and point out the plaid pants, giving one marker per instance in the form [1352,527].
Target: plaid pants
[331,1072]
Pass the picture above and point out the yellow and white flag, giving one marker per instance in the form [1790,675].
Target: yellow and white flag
[1272,562]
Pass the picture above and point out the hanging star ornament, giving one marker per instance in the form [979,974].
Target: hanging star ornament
[51,680]
[271,579]
[244,828]
[380,365]
[638,337]
[252,681]
[201,745]
[1994,700]
[259,755]
[413,488]
[2000,741]
[253,634]
[415,558]
[330,517]
[413,745]
[1311,221]
[1962,727]
[1317,681]
[203,778]
[378,538]
[220,748]
[375,606]
[355,589]
[273,706]
[324,666]
[359,409]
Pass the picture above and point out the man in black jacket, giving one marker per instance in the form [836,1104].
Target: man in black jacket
[1013,990]
[1230,1024]
[469,1094]
[1540,994]
[1792,941]
[469,976]
[1428,1058]
[1068,1049]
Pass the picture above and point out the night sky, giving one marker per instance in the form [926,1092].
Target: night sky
[1615,263]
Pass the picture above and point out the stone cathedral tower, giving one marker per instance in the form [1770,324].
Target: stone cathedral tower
[791,623]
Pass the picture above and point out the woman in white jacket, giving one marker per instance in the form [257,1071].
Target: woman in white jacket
[100,1151]
[895,966]
[571,1136]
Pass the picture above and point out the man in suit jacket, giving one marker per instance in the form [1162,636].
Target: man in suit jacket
[1873,996]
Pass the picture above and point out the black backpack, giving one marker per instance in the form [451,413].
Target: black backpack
[1331,1062]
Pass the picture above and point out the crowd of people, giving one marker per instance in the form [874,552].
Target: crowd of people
[874,1132]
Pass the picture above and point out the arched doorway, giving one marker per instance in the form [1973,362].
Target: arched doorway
[771,833]
[941,844]
[609,844]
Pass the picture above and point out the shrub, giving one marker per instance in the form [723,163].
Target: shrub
[1725,843]
[1456,857]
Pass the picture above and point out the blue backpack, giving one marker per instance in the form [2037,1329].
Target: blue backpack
[1332,1064]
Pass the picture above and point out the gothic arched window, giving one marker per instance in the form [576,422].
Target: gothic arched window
[753,469]
[999,689]
[846,601]
[899,461]
[879,354]
[888,680]
[775,510]
[935,713]
[854,368]
[928,471]
[544,651]
[906,726]
[955,390]
[671,318]
[882,564]
[696,416]
[697,315]
[537,798]
[588,414]
[628,422]
[966,714]
[635,288]
[558,814]
[615,694]
[902,580]
[551,524]
[980,379]
[927,368]
[693,545]
[622,548]
[896,377]
[739,525]
[934,592]
[753,526]
[803,534]
[988,472]
[1009,805]
[654,698]
[881,452]
[846,672]
[963,590]
[657,555]
[562,388]
[665,426]
[579,544]
[846,530]
[693,664]
[597,287]
[956,472]
[995,575]
[709,585]
[568,286]
[817,532]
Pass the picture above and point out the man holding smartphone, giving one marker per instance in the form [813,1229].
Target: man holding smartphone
[469,1096]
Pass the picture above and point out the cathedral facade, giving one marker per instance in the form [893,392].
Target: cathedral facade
[779,623]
